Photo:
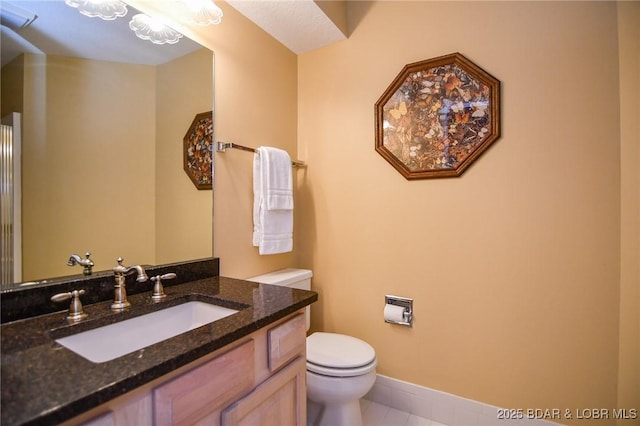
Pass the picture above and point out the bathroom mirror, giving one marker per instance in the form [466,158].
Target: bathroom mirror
[102,168]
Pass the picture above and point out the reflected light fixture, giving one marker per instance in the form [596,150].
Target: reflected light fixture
[154,30]
[105,9]
[203,12]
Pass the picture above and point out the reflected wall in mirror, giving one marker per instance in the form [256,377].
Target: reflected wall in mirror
[102,144]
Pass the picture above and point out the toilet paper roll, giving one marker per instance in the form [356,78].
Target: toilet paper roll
[394,313]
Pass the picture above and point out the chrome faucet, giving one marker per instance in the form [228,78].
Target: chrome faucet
[86,263]
[120,301]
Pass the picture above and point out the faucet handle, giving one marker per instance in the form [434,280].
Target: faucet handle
[76,311]
[120,268]
[158,289]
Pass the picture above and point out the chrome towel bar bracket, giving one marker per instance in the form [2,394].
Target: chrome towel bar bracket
[223,146]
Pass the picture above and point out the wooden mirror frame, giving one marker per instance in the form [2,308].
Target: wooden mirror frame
[437,117]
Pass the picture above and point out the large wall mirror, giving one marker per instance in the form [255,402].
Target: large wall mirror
[102,133]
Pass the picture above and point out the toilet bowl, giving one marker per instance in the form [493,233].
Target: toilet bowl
[341,369]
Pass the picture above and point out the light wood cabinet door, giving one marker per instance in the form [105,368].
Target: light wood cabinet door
[287,341]
[134,411]
[198,396]
[279,401]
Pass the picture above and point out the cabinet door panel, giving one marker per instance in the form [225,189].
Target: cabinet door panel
[287,341]
[203,391]
[280,401]
[135,411]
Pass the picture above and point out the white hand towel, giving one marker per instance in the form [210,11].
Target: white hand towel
[272,201]
[277,178]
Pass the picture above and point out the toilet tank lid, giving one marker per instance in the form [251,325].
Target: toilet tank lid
[283,277]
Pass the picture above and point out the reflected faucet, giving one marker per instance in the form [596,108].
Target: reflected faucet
[120,301]
[86,263]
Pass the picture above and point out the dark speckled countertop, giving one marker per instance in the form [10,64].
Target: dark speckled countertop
[44,383]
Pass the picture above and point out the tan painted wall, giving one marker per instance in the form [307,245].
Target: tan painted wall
[255,94]
[514,267]
[78,165]
[629,358]
[182,212]
[255,104]
[12,86]
[92,183]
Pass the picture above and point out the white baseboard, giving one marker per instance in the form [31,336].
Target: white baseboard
[450,409]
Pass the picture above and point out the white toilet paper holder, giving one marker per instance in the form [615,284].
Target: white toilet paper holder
[404,302]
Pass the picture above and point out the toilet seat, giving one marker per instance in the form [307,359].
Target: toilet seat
[340,372]
[338,355]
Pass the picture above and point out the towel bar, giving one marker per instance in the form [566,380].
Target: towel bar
[222,147]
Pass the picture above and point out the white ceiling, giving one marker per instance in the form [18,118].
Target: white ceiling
[62,30]
[301,25]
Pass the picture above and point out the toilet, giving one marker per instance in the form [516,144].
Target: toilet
[341,369]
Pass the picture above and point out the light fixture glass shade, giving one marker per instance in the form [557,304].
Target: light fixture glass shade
[105,9]
[203,12]
[153,30]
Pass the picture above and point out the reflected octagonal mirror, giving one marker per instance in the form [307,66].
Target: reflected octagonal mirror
[437,117]
[198,151]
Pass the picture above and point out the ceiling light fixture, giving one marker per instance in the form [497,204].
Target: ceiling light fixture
[203,12]
[153,30]
[105,9]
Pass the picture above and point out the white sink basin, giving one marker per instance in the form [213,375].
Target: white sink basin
[115,340]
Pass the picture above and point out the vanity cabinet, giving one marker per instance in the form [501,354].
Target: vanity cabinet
[196,397]
[259,380]
[275,402]
[281,399]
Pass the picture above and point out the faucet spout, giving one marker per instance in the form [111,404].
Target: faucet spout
[120,301]
[142,275]
[122,270]
[73,259]
[87,263]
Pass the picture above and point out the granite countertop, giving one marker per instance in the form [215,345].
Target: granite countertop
[44,383]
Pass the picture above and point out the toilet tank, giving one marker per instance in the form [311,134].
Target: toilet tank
[290,277]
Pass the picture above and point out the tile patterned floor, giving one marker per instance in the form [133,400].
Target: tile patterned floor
[375,414]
